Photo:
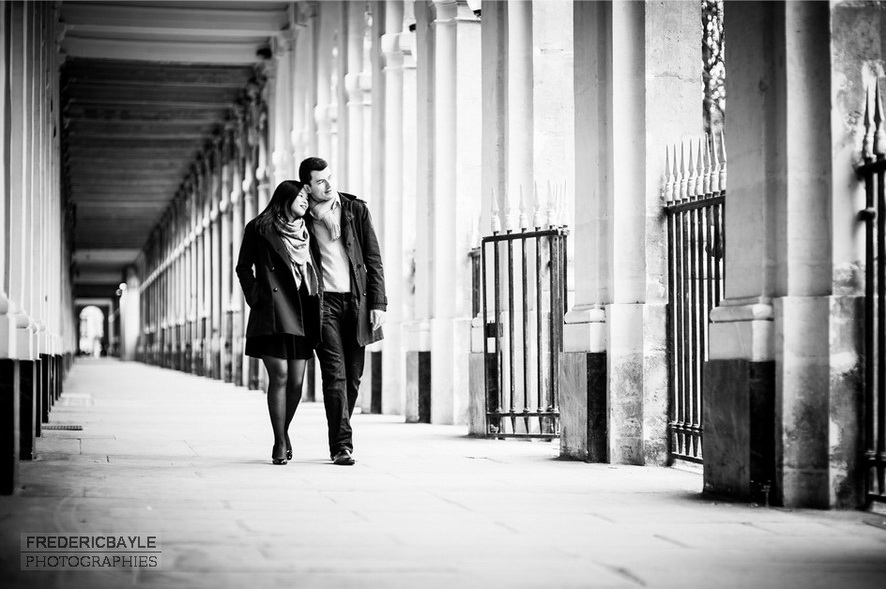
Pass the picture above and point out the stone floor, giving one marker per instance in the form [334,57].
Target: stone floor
[188,459]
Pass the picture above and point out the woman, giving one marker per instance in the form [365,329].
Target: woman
[282,293]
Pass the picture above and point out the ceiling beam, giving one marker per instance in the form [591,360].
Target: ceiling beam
[169,20]
[76,70]
[231,52]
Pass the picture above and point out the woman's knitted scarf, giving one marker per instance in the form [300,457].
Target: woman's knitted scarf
[295,237]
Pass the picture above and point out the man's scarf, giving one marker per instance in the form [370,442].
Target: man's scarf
[323,211]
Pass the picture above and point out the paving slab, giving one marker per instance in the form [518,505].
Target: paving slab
[188,459]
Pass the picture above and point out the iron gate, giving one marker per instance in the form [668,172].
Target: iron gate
[873,171]
[523,335]
[694,204]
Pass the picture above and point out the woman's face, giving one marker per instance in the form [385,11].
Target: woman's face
[300,204]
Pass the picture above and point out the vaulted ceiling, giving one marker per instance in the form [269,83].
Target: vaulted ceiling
[144,86]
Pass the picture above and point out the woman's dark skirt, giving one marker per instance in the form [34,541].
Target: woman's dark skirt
[279,345]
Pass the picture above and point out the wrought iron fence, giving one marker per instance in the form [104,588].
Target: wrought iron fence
[523,319]
[694,198]
[873,171]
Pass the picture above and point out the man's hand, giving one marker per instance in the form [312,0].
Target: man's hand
[376,318]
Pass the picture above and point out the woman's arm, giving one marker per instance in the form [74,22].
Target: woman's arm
[245,263]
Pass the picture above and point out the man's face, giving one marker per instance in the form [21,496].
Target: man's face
[321,186]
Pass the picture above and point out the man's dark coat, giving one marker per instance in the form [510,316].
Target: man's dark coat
[364,257]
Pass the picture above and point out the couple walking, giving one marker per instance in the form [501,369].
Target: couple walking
[311,271]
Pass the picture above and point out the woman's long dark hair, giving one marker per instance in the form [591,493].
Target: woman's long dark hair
[280,205]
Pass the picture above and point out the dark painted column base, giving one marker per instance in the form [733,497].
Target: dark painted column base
[583,415]
[418,387]
[58,371]
[46,392]
[29,390]
[10,425]
[738,444]
[376,389]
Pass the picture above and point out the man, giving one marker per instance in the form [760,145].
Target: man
[354,302]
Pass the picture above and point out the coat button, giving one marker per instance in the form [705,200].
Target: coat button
[275,289]
[272,268]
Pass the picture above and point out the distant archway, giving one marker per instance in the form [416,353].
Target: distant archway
[93,339]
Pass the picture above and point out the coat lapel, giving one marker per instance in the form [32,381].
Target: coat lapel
[276,243]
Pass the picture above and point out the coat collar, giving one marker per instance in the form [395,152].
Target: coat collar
[272,237]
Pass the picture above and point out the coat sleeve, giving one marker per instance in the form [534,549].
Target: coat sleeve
[375,272]
[245,262]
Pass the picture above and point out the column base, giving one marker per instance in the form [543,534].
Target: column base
[738,443]
[29,391]
[10,424]
[418,387]
[46,391]
[375,359]
[583,407]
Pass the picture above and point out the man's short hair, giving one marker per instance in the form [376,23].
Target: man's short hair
[308,165]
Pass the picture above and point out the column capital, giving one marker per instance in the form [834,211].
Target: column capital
[445,11]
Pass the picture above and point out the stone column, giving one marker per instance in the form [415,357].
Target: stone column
[191,285]
[9,395]
[250,365]
[129,314]
[200,350]
[351,166]
[281,112]
[456,149]
[780,268]
[413,364]
[418,395]
[584,414]
[304,127]
[325,111]
[392,217]
[852,74]
[226,264]
[238,307]
[216,261]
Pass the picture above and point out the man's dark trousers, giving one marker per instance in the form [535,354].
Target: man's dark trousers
[341,363]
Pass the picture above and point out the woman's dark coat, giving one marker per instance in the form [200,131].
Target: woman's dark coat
[270,290]
[364,257]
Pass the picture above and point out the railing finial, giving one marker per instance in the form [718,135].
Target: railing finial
[684,171]
[706,165]
[880,136]
[692,189]
[506,210]
[552,195]
[723,160]
[668,192]
[538,218]
[523,220]
[867,144]
[495,221]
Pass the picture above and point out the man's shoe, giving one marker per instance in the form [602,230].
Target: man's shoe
[343,458]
